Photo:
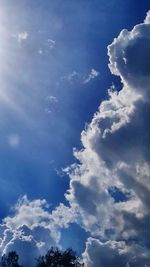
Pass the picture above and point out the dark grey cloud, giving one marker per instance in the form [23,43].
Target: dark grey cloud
[115,254]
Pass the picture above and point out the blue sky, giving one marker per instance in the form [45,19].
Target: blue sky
[53,76]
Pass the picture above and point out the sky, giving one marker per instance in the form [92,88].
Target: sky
[74,129]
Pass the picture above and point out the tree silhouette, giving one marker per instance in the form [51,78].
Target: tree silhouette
[10,260]
[53,258]
[57,258]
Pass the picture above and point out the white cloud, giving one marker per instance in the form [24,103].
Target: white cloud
[80,77]
[93,74]
[147,19]
[72,77]
[115,254]
[32,228]
[116,154]
[22,36]
[51,43]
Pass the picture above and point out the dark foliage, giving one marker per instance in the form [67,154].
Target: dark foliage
[53,258]
[10,260]
[57,258]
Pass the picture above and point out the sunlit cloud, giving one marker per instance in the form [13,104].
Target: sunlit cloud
[32,227]
[108,193]
[22,36]
[92,75]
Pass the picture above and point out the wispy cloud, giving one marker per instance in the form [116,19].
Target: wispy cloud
[92,75]
[51,43]
[52,99]
[115,154]
[72,77]
[47,46]
[51,103]
[22,36]
[81,78]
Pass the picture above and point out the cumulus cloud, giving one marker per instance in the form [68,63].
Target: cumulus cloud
[109,192]
[115,154]
[147,19]
[115,254]
[32,228]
